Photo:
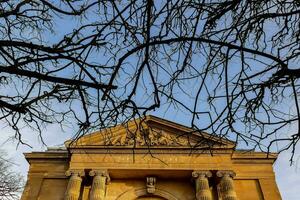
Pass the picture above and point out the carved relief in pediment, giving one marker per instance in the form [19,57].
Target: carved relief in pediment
[149,137]
[153,132]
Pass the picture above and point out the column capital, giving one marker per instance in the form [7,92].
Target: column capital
[75,172]
[229,173]
[201,173]
[100,172]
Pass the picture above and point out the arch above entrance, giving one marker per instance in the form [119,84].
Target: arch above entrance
[141,194]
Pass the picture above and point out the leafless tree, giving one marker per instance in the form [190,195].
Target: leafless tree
[231,66]
[11,183]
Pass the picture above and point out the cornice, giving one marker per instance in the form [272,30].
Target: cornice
[156,150]
[49,156]
[253,157]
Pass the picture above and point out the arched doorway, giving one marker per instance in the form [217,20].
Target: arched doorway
[141,194]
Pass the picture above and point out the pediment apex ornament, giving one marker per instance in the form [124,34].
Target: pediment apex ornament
[151,182]
[75,172]
[223,173]
[201,173]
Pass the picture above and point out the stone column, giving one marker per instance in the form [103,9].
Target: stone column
[74,185]
[202,187]
[226,185]
[101,177]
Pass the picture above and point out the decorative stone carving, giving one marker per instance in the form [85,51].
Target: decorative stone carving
[201,184]
[226,185]
[73,189]
[151,182]
[149,137]
[98,190]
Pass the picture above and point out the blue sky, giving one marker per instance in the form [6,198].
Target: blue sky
[287,176]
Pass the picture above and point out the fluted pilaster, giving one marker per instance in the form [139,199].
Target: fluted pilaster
[202,186]
[98,189]
[73,189]
[226,185]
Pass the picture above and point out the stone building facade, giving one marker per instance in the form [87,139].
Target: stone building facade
[159,160]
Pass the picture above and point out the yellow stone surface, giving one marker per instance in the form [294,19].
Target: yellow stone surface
[165,152]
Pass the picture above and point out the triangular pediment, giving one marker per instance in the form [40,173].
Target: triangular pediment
[151,132]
